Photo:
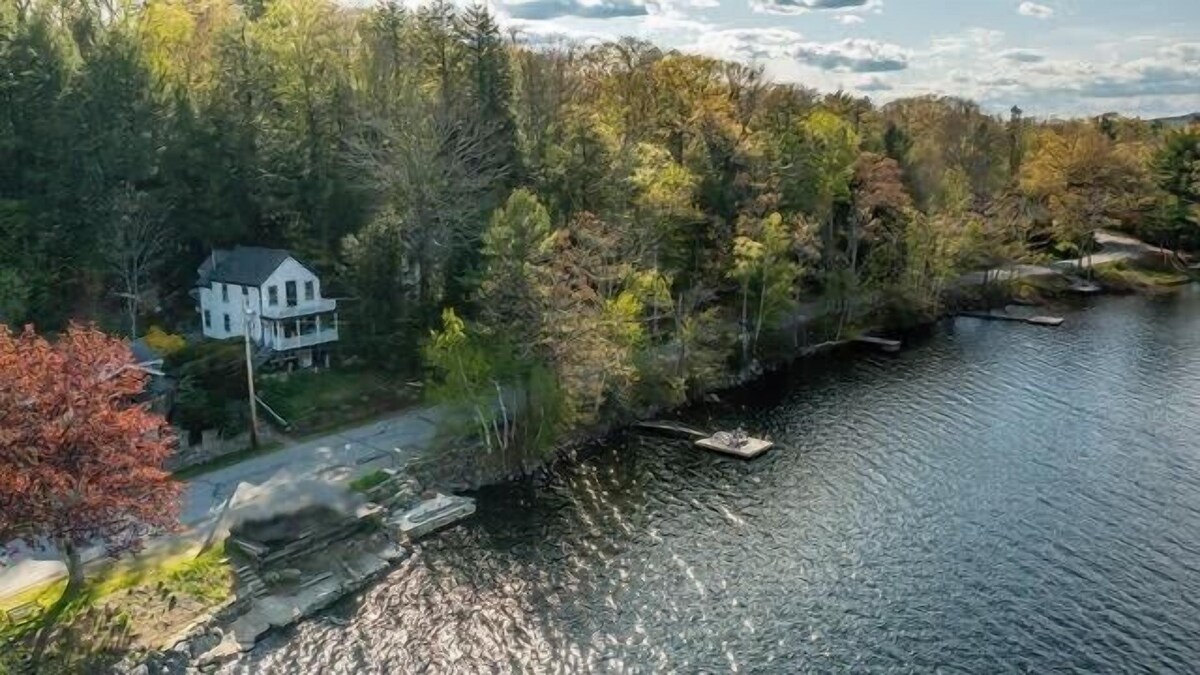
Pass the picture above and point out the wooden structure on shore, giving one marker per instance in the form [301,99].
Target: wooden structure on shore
[432,514]
[668,428]
[1032,320]
[883,344]
[736,443]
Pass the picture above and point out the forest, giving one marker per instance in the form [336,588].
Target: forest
[602,228]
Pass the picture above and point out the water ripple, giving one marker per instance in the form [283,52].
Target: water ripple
[999,499]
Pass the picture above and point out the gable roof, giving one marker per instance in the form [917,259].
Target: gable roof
[244,265]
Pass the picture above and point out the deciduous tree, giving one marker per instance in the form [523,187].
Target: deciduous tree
[81,461]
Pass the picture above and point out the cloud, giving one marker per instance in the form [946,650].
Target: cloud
[545,34]
[852,55]
[1139,78]
[1143,78]
[1022,56]
[1035,10]
[848,19]
[748,44]
[970,40]
[873,84]
[587,9]
[761,44]
[1184,52]
[804,6]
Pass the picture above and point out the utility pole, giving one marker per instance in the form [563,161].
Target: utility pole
[250,374]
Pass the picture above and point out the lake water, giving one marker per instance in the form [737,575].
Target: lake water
[997,498]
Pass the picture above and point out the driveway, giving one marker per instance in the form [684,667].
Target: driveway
[336,457]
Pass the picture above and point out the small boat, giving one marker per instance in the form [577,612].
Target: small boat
[432,515]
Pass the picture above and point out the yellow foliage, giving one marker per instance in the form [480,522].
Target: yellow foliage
[163,342]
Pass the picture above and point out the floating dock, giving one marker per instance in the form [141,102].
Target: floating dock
[671,429]
[883,344]
[1045,320]
[745,447]
[431,515]
[1031,320]
[736,443]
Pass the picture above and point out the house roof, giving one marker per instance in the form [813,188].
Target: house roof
[244,265]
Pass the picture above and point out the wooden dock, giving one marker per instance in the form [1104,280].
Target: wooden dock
[883,344]
[1045,320]
[1031,320]
[669,428]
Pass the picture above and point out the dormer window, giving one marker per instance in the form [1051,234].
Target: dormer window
[308,290]
[224,292]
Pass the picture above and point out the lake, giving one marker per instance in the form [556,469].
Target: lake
[998,497]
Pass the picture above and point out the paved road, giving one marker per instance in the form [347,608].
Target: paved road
[1115,248]
[337,457]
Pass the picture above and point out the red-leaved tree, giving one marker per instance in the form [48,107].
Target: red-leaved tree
[81,461]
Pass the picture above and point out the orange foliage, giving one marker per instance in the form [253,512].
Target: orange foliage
[80,461]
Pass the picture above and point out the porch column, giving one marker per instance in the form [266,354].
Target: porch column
[318,320]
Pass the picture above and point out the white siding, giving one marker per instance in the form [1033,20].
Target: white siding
[290,270]
[213,300]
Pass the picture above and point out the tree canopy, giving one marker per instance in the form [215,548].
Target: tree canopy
[628,221]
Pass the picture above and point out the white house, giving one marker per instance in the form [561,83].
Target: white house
[274,295]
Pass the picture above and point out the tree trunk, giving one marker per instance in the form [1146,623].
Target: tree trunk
[745,328]
[762,300]
[74,563]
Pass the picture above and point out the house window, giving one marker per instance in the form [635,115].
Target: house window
[308,290]
[207,319]
[224,292]
[245,291]
[227,328]
[272,295]
[289,288]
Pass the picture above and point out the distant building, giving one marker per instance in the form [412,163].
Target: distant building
[279,297]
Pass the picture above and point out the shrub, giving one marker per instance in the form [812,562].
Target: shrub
[163,342]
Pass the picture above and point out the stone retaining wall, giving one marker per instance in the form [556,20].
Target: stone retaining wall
[212,446]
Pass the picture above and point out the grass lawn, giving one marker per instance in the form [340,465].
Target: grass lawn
[365,482]
[1122,277]
[129,605]
[313,401]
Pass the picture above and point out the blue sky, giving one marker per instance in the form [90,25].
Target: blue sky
[1051,57]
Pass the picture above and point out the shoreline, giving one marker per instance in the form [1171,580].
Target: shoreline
[573,448]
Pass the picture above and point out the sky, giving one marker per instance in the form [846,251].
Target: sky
[1053,58]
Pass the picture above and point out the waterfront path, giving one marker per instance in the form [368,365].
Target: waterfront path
[336,457]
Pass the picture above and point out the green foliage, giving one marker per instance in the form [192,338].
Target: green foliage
[1124,278]
[565,236]
[316,400]
[212,385]
[516,405]
[366,482]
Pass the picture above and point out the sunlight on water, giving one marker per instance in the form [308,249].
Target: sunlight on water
[999,497]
